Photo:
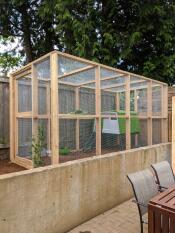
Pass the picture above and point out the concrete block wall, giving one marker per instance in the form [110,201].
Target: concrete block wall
[57,198]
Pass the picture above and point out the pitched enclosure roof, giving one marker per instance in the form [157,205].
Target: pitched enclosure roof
[77,71]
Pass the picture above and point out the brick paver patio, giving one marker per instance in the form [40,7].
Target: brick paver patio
[121,219]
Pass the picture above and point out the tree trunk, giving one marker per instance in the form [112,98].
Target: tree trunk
[26,21]
[50,36]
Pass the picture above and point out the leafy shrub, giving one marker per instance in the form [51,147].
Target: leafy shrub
[38,145]
[64,151]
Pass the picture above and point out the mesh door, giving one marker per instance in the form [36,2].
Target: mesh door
[24,138]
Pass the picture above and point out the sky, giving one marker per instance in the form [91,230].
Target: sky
[10,46]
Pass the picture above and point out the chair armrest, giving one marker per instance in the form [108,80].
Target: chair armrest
[140,203]
[161,188]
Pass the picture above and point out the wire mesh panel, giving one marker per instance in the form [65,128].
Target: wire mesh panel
[142,101]
[133,100]
[24,137]
[109,89]
[24,94]
[122,100]
[115,90]
[42,97]
[138,106]
[113,106]
[43,138]
[77,139]
[135,129]
[108,101]
[80,78]
[143,136]
[112,82]
[43,126]
[87,136]
[4,113]
[43,69]
[66,99]
[115,80]
[67,130]
[66,65]
[156,128]
[106,73]
[112,133]
[84,101]
[156,99]
[87,100]
[43,82]
[138,95]
[67,140]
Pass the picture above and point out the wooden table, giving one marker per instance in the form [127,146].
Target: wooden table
[161,212]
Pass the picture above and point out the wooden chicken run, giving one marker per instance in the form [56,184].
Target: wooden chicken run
[64,107]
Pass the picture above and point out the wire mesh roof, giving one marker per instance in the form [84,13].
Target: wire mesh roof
[76,71]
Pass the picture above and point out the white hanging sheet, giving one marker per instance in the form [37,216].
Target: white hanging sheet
[111,126]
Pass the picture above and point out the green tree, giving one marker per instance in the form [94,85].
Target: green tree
[137,35]
[149,39]
[9,58]
[23,19]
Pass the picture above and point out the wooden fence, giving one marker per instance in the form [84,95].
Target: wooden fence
[4,111]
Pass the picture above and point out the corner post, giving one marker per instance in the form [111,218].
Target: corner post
[164,115]
[48,113]
[128,115]
[12,119]
[77,106]
[117,101]
[98,110]
[34,102]
[135,101]
[149,113]
[136,110]
[54,108]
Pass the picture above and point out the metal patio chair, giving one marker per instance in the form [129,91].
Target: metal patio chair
[164,175]
[144,188]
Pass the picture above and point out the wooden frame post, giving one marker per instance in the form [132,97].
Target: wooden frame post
[98,110]
[16,119]
[164,115]
[136,110]
[12,119]
[117,102]
[173,133]
[34,103]
[128,115]
[77,106]
[54,109]
[149,113]
[117,108]
[48,113]
[135,101]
